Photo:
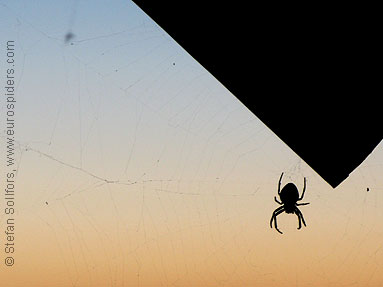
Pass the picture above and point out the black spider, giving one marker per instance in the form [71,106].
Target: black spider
[289,196]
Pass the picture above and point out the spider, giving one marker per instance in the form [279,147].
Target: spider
[289,196]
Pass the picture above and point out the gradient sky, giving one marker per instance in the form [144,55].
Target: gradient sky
[137,168]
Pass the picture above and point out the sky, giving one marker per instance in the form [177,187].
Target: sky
[134,166]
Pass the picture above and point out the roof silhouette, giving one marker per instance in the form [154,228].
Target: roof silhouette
[309,76]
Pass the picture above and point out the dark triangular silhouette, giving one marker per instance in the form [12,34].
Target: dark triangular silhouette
[307,72]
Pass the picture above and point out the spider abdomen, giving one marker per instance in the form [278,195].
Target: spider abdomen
[289,194]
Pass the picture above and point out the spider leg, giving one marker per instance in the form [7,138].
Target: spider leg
[274,216]
[304,189]
[301,215]
[305,203]
[275,221]
[299,218]
[275,213]
[279,184]
[277,201]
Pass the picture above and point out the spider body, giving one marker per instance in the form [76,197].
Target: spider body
[289,197]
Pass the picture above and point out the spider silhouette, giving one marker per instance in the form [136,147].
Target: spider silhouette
[289,196]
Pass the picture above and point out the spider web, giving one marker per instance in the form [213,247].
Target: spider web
[135,167]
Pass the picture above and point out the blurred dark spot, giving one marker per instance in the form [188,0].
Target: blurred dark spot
[69,36]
